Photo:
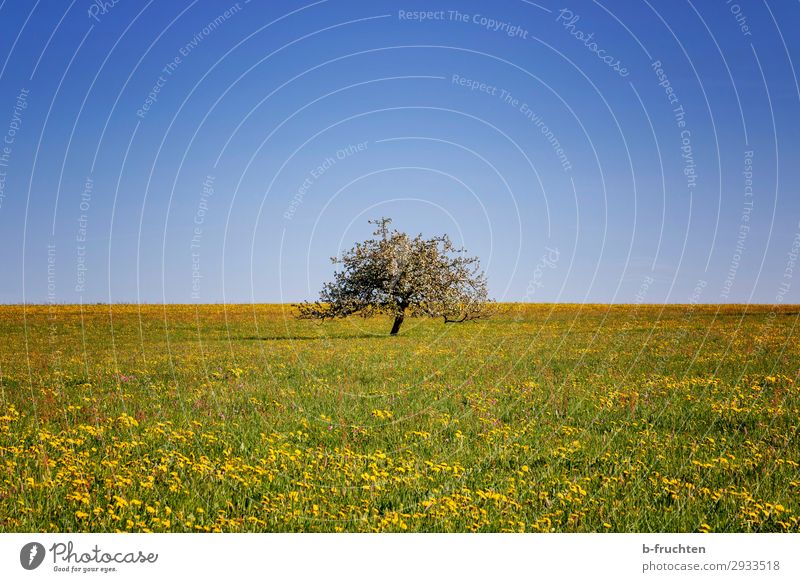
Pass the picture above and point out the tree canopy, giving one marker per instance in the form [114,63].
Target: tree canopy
[393,273]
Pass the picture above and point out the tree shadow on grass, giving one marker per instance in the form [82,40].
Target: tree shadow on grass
[274,338]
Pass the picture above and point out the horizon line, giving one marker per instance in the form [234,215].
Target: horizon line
[291,303]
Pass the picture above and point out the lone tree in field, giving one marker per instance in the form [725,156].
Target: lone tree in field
[395,274]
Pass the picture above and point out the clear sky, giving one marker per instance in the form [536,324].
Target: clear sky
[611,151]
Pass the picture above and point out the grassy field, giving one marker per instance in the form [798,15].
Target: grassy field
[543,418]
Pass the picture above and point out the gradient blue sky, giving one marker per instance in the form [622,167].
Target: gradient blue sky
[262,98]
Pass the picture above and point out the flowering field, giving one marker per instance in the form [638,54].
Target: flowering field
[543,418]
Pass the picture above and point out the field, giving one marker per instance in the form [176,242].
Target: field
[543,418]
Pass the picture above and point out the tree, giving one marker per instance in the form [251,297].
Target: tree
[395,274]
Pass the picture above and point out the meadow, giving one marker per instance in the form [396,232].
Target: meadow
[543,418]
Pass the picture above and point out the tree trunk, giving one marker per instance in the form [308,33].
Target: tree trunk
[398,321]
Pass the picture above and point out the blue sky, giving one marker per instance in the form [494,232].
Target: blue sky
[212,151]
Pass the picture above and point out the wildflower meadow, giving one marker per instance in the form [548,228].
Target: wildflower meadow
[542,418]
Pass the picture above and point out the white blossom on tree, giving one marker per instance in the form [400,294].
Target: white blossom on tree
[395,274]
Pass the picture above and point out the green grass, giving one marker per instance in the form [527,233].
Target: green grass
[543,418]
